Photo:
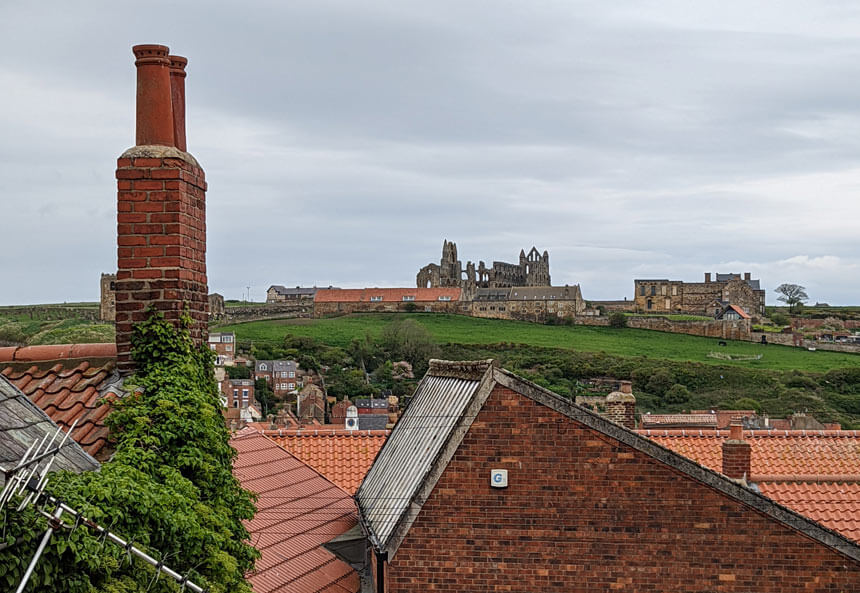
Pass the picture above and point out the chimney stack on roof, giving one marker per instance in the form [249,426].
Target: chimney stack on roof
[161,209]
[707,276]
[736,453]
[621,406]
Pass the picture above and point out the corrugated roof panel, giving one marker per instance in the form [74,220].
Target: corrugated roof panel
[407,456]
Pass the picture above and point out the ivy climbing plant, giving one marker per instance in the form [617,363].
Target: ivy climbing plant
[169,487]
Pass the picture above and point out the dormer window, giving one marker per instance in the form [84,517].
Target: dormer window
[375,299]
[409,297]
[263,367]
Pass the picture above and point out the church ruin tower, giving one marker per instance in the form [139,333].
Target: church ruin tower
[161,208]
[535,268]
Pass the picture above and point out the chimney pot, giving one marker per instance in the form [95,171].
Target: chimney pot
[154,102]
[736,432]
[177,94]
[736,454]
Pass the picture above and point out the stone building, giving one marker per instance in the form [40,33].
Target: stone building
[707,298]
[532,270]
[528,303]
[216,305]
[107,303]
[281,294]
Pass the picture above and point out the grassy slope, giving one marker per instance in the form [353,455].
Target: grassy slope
[16,328]
[622,342]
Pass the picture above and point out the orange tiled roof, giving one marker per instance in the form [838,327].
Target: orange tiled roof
[833,504]
[816,473]
[342,456]
[67,382]
[668,420]
[298,510]
[776,455]
[389,295]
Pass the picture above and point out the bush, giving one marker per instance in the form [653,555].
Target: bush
[660,382]
[618,320]
[780,319]
[676,394]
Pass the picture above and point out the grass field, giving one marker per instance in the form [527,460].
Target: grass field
[340,331]
[17,328]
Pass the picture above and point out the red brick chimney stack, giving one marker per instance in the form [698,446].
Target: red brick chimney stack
[154,101]
[621,406]
[177,93]
[161,209]
[736,453]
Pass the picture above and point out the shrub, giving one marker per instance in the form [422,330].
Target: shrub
[618,320]
[676,394]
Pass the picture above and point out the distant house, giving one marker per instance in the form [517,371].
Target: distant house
[282,375]
[281,294]
[369,300]
[224,346]
[732,313]
[239,393]
[489,482]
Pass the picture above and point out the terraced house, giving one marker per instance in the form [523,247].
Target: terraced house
[489,482]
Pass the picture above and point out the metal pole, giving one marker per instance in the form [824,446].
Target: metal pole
[133,550]
[45,538]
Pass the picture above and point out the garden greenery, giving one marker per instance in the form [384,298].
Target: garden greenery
[169,487]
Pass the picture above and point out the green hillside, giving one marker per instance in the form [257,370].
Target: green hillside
[455,329]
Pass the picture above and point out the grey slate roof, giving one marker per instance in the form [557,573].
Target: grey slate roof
[276,366]
[414,447]
[297,291]
[443,408]
[22,422]
[544,293]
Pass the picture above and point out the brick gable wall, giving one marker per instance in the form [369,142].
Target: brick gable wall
[586,513]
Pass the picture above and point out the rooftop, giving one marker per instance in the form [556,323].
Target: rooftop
[68,382]
[342,456]
[387,295]
[23,424]
[816,473]
[298,511]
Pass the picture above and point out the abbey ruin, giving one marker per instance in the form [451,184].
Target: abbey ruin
[532,270]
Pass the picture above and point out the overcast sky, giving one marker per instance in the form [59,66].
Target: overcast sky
[343,141]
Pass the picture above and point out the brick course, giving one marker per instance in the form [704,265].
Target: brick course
[584,512]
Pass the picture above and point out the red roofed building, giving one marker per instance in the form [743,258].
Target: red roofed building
[342,456]
[372,300]
[68,382]
[298,510]
[816,473]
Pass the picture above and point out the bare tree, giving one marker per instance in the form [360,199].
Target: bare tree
[791,295]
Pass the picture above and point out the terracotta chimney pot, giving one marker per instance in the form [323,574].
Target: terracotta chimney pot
[177,93]
[154,102]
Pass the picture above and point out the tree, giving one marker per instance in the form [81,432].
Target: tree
[406,339]
[791,295]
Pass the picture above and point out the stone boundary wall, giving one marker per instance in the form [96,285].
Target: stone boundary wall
[788,340]
[261,313]
[55,313]
[725,330]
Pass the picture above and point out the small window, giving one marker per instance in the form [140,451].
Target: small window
[263,367]
[674,291]
[226,339]
[409,297]
[653,290]
[641,290]
[291,374]
[375,299]
[244,394]
[663,290]
[444,298]
[291,385]
[236,393]
[235,403]
[228,348]
[650,304]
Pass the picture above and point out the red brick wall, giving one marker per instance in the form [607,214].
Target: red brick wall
[161,244]
[585,513]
